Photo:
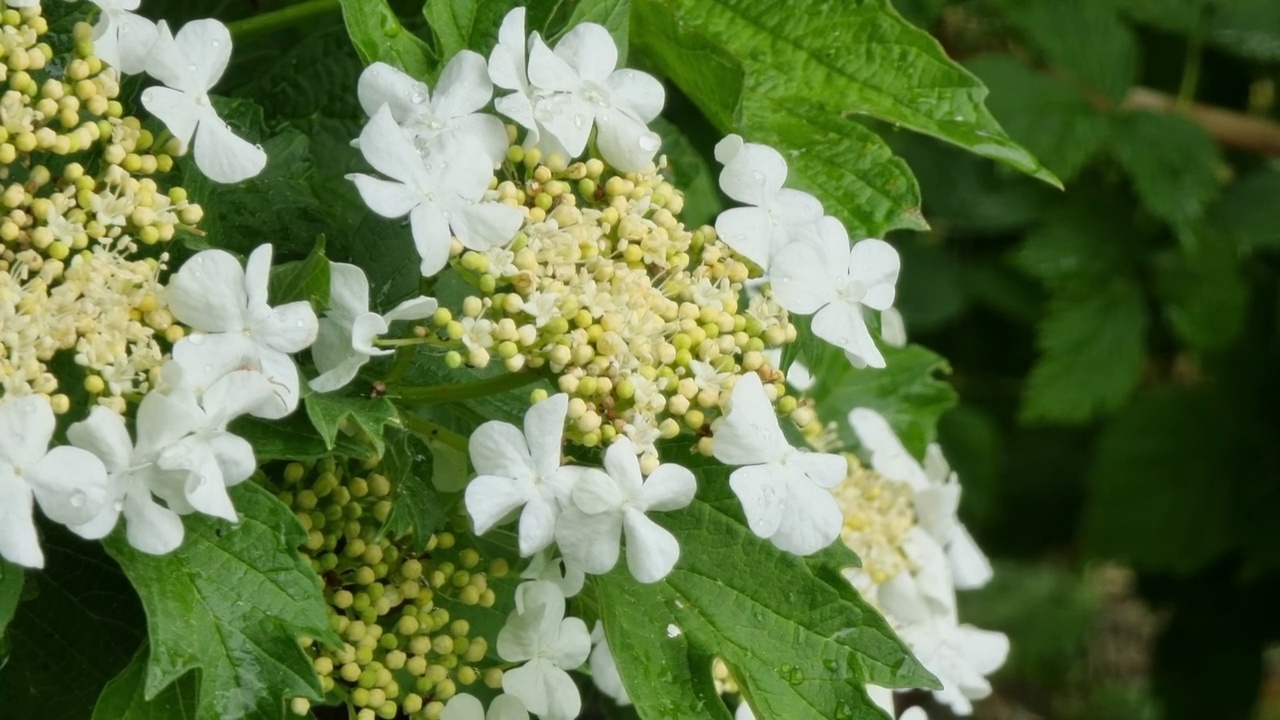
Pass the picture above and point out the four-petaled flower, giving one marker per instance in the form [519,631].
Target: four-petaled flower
[548,643]
[69,483]
[235,327]
[523,470]
[191,63]
[468,707]
[462,90]
[441,190]
[348,329]
[784,491]
[607,506]
[753,174]
[826,277]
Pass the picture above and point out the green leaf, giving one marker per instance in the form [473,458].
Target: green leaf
[845,58]
[418,509]
[1245,28]
[473,25]
[1248,212]
[1093,345]
[802,612]
[1174,186]
[331,413]
[302,279]
[1204,289]
[907,392]
[78,625]
[1086,38]
[124,698]
[688,170]
[1054,119]
[11,577]
[452,24]
[614,15]
[1156,498]
[384,250]
[1082,242]
[232,603]
[292,438]
[380,37]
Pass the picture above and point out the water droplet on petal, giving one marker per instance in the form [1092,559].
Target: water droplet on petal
[650,142]
[757,176]
[118,505]
[579,120]
[78,499]
[299,323]
[191,68]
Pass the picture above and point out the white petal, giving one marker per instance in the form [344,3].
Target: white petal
[811,520]
[463,707]
[332,349]
[571,645]
[464,86]
[26,426]
[590,543]
[936,508]
[69,483]
[128,39]
[163,419]
[604,670]
[798,209]
[669,487]
[390,150]
[822,469]
[412,309]
[622,465]
[761,497]
[548,71]
[569,118]
[595,492]
[287,328]
[652,551]
[285,385]
[728,148]
[498,448]
[538,524]
[801,281]
[506,707]
[754,174]
[914,713]
[206,357]
[625,142]
[431,238]
[985,650]
[338,374]
[151,528]
[969,566]
[381,84]
[234,456]
[749,433]
[892,328]
[207,293]
[481,226]
[546,690]
[544,431]
[746,230]
[518,107]
[507,61]
[104,434]
[257,276]
[888,456]
[206,49]
[223,156]
[367,328]
[638,92]
[177,111]
[388,198]
[490,131]
[490,498]
[841,324]
[19,542]
[348,292]
[875,265]
[902,600]
[589,49]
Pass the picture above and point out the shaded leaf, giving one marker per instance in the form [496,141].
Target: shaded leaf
[292,438]
[1086,38]
[334,414]
[11,578]
[379,36]
[124,698]
[418,509]
[1175,186]
[232,602]
[1248,212]
[306,279]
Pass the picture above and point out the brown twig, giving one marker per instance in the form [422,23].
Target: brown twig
[1229,127]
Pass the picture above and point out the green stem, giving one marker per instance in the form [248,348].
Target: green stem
[464,391]
[431,432]
[400,365]
[1191,66]
[284,17]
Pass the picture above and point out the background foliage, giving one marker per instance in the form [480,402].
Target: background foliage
[1114,345]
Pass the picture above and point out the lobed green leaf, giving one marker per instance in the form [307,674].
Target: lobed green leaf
[125,697]
[379,36]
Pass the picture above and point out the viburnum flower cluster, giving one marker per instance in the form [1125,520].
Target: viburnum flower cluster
[83,262]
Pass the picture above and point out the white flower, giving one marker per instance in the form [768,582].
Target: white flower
[190,64]
[579,87]
[783,490]
[441,190]
[753,174]
[892,328]
[604,671]
[467,707]
[553,569]
[826,277]
[522,470]
[508,69]
[462,90]
[347,330]
[608,506]
[961,656]
[227,307]
[936,494]
[69,483]
[539,635]
[883,697]
[121,38]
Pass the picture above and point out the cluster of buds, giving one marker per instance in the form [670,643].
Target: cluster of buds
[878,518]
[83,224]
[642,320]
[406,649]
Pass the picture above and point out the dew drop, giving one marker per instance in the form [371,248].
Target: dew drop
[118,505]
[649,142]
[215,44]
[418,97]
[191,67]
[299,323]
[757,176]
[196,338]
[78,499]
[579,120]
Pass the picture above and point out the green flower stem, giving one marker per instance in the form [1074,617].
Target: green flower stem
[463,391]
[1191,66]
[284,17]
[431,432]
